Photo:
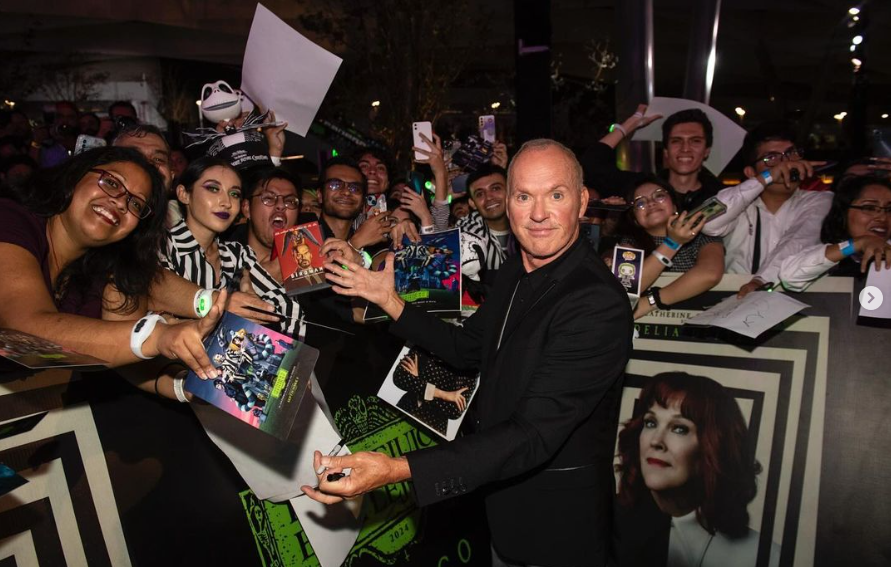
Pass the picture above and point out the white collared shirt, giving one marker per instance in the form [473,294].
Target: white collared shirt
[794,227]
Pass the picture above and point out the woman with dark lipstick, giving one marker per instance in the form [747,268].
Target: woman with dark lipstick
[210,191]
[687,476]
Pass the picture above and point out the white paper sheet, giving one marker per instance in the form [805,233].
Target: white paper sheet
[285,71]
[881,280]
[728,135]
[751,316]
[274,469]
[332,530]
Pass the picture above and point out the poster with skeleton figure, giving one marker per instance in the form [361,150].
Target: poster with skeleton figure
[427,274]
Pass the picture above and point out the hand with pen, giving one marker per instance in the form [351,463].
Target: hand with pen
[368,471]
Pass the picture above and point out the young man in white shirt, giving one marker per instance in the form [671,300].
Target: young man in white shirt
[769,218]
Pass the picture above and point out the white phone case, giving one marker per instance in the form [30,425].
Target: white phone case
[418,128]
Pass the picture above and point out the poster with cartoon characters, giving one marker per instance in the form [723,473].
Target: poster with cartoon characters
[264,375]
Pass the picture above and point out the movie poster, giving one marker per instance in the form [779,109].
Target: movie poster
[430,391]
[719,442]
[264,375]
[299,254]
[428,275]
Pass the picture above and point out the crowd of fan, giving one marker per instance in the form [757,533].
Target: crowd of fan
[100,238]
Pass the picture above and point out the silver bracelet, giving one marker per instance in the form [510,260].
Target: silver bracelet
[178,388]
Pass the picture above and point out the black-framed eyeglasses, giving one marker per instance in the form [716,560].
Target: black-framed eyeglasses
[114,188]
[658,196]
[270,199]
[353,187]
[874,210]
[771,159]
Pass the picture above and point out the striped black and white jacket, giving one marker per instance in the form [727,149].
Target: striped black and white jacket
[475,224]
[185,258]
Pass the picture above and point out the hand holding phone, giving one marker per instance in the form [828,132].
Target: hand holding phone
[418,128]
[711,208]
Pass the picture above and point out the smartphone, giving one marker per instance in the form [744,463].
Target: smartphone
[85,143]
[487,128]
[711,208]
[416,182]
[418,128]
[599,204]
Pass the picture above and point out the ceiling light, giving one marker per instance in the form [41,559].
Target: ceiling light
[885,115]
[856,62]
[740,111]
[375,103]
[495,104]
[854,11]
[857,39]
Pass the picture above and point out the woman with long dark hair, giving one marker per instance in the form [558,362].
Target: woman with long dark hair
[80,244]
[855,233]
[211,192]
[672,242]
[686,460]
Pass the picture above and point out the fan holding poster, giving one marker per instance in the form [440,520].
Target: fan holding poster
[299,254]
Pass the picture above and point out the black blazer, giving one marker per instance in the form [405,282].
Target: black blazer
[547,410]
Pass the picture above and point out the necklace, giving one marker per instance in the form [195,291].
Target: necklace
[57,291]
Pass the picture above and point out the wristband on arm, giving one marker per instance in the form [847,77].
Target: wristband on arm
[847,247]
[671,243]
[203,302]
[620,128]
[666,261]
[141,331]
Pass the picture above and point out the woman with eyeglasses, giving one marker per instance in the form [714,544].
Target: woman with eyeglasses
[79,250]
[671,242]
[855,232]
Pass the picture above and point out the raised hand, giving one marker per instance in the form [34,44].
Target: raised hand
[372,231]
[275,137]
[351,279]
[433,154]
[683,227]
[499,154]
[418,205]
